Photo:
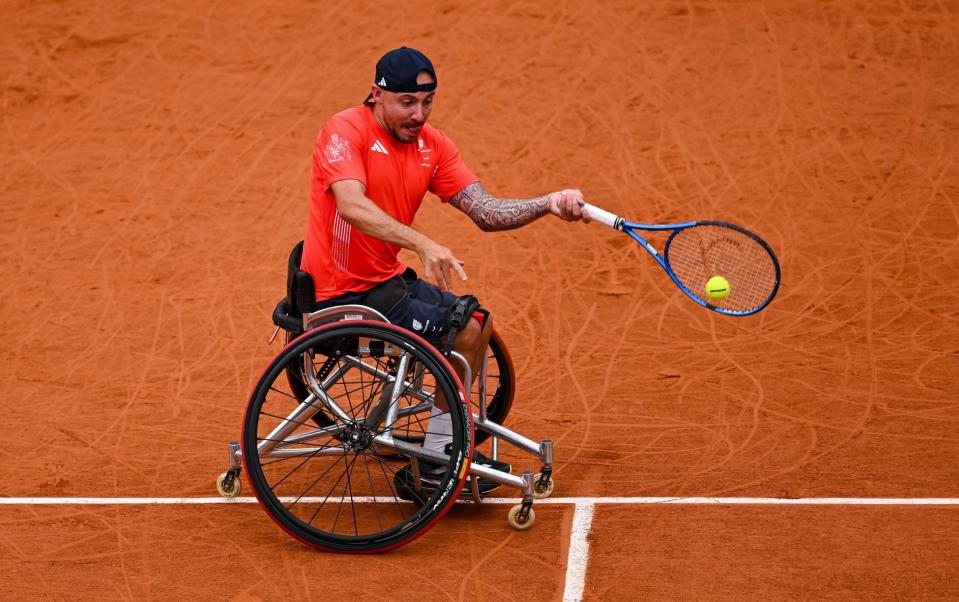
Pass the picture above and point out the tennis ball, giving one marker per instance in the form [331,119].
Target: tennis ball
[717,287]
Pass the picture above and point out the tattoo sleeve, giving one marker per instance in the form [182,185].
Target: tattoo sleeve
[491,213]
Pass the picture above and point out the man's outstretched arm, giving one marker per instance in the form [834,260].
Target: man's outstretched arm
[491,213]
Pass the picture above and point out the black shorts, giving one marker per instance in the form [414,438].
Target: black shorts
[407,301]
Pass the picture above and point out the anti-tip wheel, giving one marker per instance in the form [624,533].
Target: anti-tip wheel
[513,518]
[546,491]
[228,486]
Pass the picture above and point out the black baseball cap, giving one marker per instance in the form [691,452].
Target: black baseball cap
[396,71]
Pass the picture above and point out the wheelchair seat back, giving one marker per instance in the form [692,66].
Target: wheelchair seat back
[300,301]
[300,290]
[300,295]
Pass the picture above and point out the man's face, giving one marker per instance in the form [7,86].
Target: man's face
[404,113]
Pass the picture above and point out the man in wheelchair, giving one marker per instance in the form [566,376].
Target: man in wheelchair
[372,166]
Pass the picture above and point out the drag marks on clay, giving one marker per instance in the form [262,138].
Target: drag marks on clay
[163,283]
[189,552]
[158,162]
[800,384]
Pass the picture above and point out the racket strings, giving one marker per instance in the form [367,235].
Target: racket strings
[698,253]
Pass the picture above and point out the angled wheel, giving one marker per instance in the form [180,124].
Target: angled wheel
[347,484]
[540,490]
[520,524]
[228,485]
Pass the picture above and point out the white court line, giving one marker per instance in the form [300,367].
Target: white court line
[578,556]
[629,501]
[776,501]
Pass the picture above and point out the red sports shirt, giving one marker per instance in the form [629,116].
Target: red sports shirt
[353,146]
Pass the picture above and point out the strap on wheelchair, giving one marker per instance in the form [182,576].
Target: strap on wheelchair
[459,315]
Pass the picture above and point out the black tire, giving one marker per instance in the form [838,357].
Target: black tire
[341,491]
[500,387]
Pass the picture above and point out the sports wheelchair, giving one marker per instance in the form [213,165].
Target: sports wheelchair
[333,431]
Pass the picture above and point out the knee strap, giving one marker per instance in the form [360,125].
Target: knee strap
[459,315]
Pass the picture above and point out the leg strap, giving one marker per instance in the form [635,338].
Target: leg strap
[459,315]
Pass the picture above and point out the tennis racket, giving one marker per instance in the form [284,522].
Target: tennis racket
[697,251]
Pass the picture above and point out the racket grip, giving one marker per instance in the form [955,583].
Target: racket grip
[601,215]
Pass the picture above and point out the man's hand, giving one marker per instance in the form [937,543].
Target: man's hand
[568,205]
[439,264]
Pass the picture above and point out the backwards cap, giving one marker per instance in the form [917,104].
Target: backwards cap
[396,71]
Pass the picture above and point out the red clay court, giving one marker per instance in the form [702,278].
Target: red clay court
[156,167]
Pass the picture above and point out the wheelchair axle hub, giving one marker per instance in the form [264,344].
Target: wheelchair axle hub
[358,438]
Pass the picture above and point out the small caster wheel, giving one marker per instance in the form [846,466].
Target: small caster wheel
[228,485]
[513,518]
[541,492]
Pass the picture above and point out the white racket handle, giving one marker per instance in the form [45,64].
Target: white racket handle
[601,215]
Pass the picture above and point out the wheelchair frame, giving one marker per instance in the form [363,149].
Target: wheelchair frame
[278,443]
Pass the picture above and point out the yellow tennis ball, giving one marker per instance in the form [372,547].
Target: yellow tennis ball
[717,287]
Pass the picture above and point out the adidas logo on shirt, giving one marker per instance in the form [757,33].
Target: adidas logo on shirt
[378,147]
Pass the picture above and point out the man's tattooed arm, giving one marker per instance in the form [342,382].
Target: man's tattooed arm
[491,213]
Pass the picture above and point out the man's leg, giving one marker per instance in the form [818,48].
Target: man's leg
[471,343]
[425,310]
